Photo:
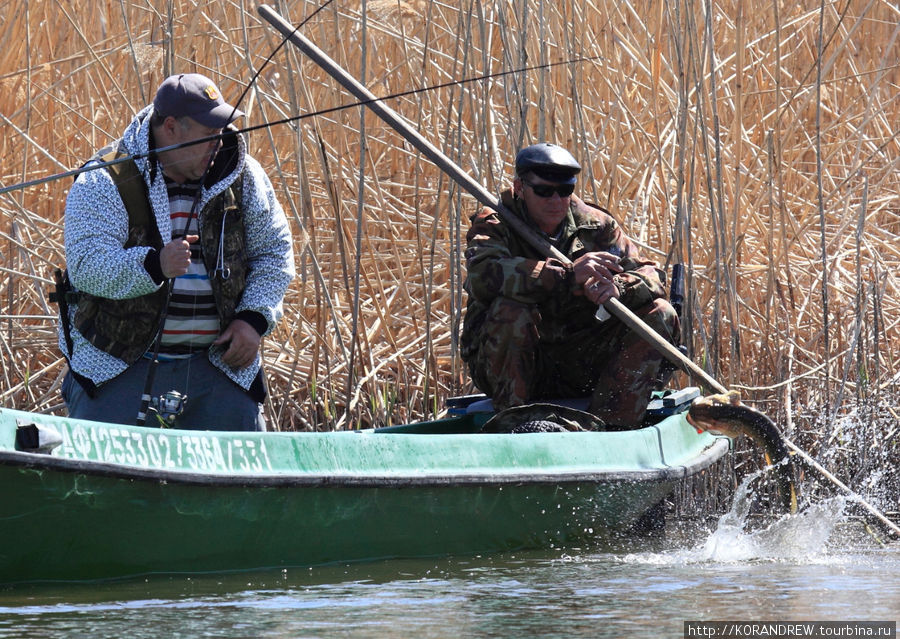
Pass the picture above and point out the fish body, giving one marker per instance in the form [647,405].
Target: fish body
[724,414]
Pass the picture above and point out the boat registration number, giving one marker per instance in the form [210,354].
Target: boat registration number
[162,450]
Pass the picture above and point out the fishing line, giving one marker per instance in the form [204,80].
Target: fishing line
[240,99]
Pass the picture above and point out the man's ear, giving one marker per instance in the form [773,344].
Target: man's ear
[169,125]
[517,187]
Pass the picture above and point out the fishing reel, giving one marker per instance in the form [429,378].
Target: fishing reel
[167,407]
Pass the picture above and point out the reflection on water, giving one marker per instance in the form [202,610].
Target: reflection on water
[801,567]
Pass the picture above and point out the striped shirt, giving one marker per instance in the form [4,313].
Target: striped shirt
[192,322]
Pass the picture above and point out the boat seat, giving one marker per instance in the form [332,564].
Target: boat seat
[661,405]
[487,406]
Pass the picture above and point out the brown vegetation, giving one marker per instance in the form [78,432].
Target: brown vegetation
[756,142]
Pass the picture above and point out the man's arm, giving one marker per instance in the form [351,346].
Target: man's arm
[494,271]
[96,230]
[270,253]
[636,280]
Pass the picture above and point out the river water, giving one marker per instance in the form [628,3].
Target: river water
[816,566]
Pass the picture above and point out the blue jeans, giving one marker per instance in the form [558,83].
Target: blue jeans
[213,401]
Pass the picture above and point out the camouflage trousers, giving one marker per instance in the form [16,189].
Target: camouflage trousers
[604,360]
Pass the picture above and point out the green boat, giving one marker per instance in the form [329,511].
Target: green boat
[87,500]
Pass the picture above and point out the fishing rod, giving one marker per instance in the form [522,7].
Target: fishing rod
[74,173]
[478,191]
[146,398]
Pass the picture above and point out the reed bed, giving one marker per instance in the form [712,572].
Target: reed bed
[755,142]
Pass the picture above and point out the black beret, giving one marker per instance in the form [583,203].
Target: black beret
[548,161]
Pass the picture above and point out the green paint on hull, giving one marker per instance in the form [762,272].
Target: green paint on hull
[115,501]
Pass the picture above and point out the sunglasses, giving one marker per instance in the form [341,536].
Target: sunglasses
[547,190]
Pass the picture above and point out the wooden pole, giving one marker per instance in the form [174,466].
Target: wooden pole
[481,194]
[476,189]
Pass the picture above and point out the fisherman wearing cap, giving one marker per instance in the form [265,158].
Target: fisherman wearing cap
[530,331]
[206,220]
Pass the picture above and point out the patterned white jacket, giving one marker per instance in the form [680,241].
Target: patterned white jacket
[96,229]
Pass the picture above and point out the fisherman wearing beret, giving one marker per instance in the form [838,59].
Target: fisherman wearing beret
[530,331]
[180,249]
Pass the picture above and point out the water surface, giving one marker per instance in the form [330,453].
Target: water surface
[813,566]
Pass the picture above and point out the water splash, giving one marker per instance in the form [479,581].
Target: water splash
[800,537]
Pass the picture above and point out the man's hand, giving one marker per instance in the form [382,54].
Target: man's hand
[595,271]
[599,292]
[244,344]
[175,257]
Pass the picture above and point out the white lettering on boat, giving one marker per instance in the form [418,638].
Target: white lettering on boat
[163,450]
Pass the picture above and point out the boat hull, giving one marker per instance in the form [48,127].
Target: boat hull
[83,513]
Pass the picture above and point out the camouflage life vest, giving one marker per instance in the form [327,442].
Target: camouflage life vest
[126,328]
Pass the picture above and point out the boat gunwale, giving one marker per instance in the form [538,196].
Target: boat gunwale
[39,461]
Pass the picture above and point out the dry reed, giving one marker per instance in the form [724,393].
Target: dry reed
[756,142]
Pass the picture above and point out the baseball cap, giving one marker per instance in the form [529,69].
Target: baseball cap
[195,96]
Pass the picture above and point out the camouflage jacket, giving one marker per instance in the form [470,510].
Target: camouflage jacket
[499,263]
[104,262]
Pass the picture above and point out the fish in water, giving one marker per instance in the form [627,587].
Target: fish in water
[724,414]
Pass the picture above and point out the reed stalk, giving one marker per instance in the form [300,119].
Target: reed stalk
[731,135]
